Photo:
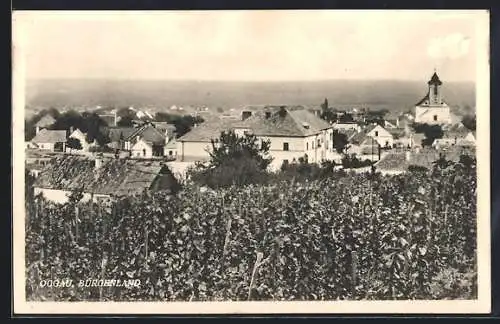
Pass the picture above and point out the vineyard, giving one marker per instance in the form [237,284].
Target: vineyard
[346,237]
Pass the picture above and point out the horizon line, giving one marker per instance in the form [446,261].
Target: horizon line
[234,80]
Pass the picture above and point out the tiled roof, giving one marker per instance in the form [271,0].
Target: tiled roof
[292,121]
[358,138]
[45,121]
[396,132]
[50,136]
[397,161]
[115,176]
[171,144]
[149,134]
[207,130]
[165,127]
[361,136]
[348,132]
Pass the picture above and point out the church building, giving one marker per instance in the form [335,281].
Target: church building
[432,109]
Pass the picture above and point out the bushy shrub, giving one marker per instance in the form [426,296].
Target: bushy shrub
[353,162]
[417,168]
[101,149]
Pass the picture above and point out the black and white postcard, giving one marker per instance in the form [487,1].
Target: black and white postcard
[200,162]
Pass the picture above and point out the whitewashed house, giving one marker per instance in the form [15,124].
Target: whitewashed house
[293,133]
[50,140]
[146,142]
[382,136]
[82,137]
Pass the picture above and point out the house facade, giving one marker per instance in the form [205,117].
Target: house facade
[383,137]
[50,140]
[82,137]
[432,109]
[146,142]
[293,134]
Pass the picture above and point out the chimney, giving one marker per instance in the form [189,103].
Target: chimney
[116,118]
[71,130]
[98,161]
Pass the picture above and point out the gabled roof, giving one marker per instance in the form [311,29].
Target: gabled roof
[425,158]
[348,132]
[358,138]
[45,121]
[171,144]
[149,134]
[293,121]
[435,80]
[165,128]
[115,176]
[50,136]
[397,132]
[207,130]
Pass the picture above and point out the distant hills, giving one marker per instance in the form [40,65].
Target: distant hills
[396,96]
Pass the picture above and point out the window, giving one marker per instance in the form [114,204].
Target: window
[285,146]
[307,146]
[144,152]
[169,152]
[312,145]
[376,133]
[435,117]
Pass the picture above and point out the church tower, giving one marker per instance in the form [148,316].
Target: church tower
[435,90]
[432,109]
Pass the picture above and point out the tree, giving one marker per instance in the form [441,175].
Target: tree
[469,121]
[442,162]
[125,121]
[431,133]
[340,141]
[324,105]
[346,118]
[234,160]
[183,124]
[73,144]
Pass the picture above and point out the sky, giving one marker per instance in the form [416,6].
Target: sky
[248,45]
